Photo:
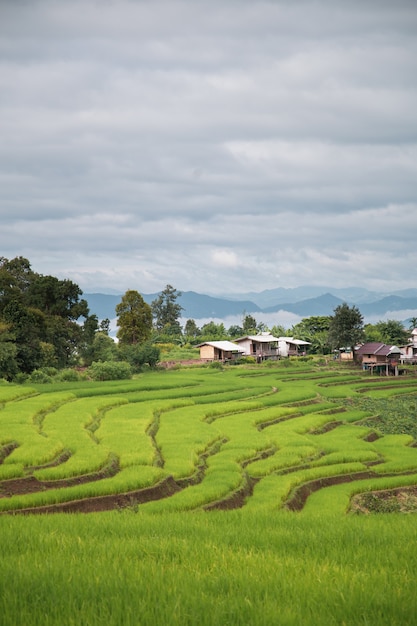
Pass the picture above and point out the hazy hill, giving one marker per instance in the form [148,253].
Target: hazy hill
[322,305]
[195,305]
[315,302]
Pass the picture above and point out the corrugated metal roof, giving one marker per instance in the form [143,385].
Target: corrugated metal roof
[375,347]
[296,342]
[226,346]
[264,338]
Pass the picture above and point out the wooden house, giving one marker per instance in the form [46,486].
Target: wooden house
[262,346]
[410,350]
[288,346]
[219,351]
[378,357]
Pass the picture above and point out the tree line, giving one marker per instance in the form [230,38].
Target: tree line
[45,323]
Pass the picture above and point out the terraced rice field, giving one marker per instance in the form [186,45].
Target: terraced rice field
[196,439]
[222,481]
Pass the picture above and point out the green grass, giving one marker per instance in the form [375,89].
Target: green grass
[234,568]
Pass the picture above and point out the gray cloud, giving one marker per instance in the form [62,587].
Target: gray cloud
[217,146]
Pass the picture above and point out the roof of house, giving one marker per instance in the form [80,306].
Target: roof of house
[226,346]
[262,338]
[377,348]
[296,342]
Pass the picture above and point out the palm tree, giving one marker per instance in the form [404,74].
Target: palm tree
[413,323]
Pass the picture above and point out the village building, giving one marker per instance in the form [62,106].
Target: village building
[266,346]
[379,358]
[261,347]
[288,346]
[219,351]
[409,352]
[345,353]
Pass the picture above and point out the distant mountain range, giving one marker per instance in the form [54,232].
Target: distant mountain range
[302,301]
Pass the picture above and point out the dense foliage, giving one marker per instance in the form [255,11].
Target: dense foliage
[346,326]
[166,311]
[134,319]
[39,319]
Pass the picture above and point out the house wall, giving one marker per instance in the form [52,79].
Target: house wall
[284,348]
[373,358]
[207,352]
[246,345]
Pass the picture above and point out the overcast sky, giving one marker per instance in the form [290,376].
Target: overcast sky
[221,146]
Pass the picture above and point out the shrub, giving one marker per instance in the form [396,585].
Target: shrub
[20,378]
[217,365]
[244,359]
[110,370]
[69,375]
[40,376]
[141,354]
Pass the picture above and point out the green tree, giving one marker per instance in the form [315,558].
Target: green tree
[412,323]
[212,331]
[346,326]
[42,313]
[314,329]
[311,325]
[104,326]
[139,355]
[249,325]
[235,331]
[371,333]
[278,330]
[15,278]
[134,319]
[102,349]
[56,297]
[166,311]
[8,353]
[391,332]
[191,329]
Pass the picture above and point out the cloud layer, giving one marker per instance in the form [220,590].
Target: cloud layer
[219,147]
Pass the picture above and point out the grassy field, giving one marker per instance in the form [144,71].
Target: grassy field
[206,496]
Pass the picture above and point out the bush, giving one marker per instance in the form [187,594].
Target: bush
[40,376]
[69,376]
[110,370]
[141,354]
[244,359]
[20,378]
[217,365]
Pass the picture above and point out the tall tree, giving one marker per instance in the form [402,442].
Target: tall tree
[134,319]
[412,323]
[212,331]
[235,331]
[8,352]
[249,324]
[15,278]
[278,330]
[314,329]
[28,327]
[391,332]
[346,326]
[166,311]
[191,330]
[57,297]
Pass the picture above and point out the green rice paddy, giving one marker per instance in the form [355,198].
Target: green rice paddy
[205,496]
